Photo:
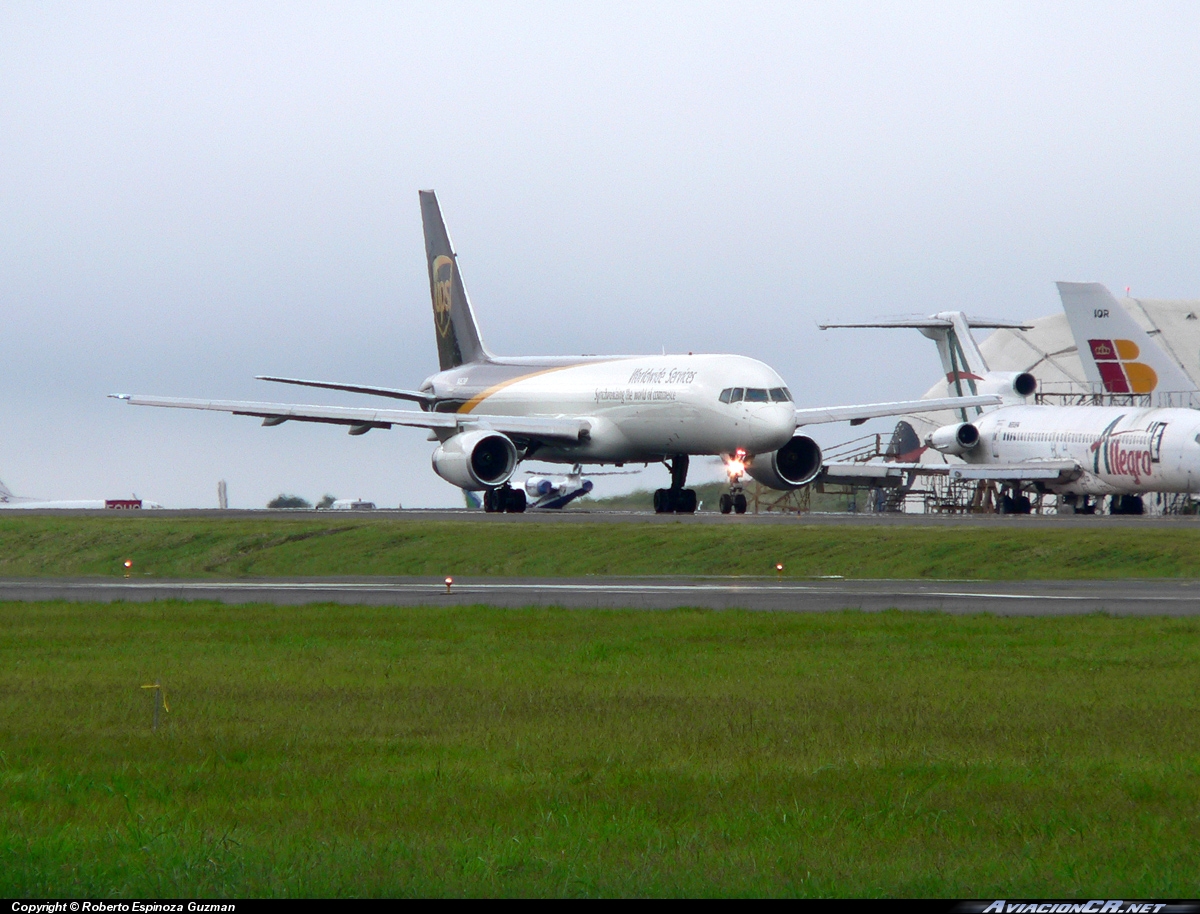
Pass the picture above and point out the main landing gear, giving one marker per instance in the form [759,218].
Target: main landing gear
[1117,504]
[504,498]
[734,501]
[677,499]
[1076,504]
[1126,504]
[1016,503]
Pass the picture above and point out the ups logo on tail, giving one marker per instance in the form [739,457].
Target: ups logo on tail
[1118,370]
[443,278]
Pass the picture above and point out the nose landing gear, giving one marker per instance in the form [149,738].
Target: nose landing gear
[735,499]
[677,499]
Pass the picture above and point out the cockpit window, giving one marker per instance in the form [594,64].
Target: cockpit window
[736,395]
[725,394]
[756,395]
[781,395]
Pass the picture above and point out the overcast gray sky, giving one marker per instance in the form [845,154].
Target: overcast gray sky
[194,194]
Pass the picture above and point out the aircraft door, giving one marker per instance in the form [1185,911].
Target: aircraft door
[996,441]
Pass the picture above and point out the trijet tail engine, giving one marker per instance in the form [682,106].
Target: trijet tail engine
[1013,386]
[795,464]
[476,460]
[954,439]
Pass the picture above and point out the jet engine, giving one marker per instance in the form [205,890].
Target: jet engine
[1006,383]
[476,460]
[795,464]
[537,486]
[954,439]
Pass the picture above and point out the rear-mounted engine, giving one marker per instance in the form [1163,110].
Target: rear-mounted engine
[954,439]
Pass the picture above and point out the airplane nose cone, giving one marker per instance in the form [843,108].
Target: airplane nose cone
[773,426]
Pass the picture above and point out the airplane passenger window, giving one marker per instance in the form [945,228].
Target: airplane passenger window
[736,396]
[725,394]
[756,395]
[779,395]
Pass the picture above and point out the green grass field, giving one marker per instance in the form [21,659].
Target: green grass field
[325,544]
[377,751]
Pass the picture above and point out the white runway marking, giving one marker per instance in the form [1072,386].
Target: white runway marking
[1004,597]
[439,589]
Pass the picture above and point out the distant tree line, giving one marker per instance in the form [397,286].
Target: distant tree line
[295,501]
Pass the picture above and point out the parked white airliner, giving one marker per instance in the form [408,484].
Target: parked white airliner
[9,501]
[1077,451]
[489,412]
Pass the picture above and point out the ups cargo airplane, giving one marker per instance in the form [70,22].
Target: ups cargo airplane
[1075,452]
[488,413]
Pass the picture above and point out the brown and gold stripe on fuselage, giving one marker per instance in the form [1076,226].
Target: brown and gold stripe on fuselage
[483,379]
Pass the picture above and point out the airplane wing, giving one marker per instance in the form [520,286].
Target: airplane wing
[362,420]
[395,394]
[892,474]
[857,415]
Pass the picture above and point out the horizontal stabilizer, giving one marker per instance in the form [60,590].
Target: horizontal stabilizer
[859,414]
[925,323]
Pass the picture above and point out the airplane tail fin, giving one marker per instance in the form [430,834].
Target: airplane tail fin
[967,373]
[5,493]
[1118,356]
[458,337]
[962,361]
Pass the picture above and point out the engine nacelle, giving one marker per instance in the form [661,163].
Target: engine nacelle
[795,464]
[954,439]
[476,460]
[1007,383]
[537,486]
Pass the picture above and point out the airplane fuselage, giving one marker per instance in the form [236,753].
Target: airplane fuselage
[1121,450]
[640,408]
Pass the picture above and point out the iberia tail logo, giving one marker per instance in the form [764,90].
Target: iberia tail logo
[443,278]
[1118,370]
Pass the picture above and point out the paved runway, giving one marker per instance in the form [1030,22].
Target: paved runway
[1032,598]
[591,516]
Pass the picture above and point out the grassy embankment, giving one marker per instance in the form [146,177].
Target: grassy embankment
[323,751]
[323,544]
